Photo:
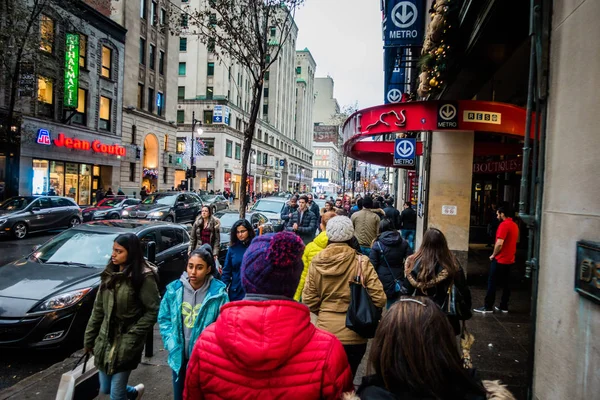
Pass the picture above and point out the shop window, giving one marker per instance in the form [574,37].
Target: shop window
[40,177]
[182,68]
[85,184]
[180,146]
[210,69]
[209,92]
[209,147]
[80,116]
[160,103]
[45,97]
[71,180]
[142,51]
[161,62]
[181,93]
[82,50]
[238,151]
[140,96]
[207,117]
[180,116]
[132,172]
[106,62]
[46,34]
[152,55]
[182,44]
[228,148]
[57,177]
[105,111]
[150,100]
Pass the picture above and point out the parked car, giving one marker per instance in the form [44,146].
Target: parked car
[272,208]
[228,218]
[170,206]
[216,202]
[108,208]
[21,215]
[47,296]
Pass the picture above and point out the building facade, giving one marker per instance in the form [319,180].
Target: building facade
[328,159]
[326,106]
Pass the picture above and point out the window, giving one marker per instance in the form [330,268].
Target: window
[161,62]
[212,19]
[143,10]
[210,70]
[182,44]
[105,111]
[180,116]
[266,92]
[132,172]
[184,20]
[142,51]
[265,158]
[165,173]
[298,70]
[46,34]
[265,109]
[181,93]
[182,69]
[80,116]
[268,58]
[163,16]
[210,46]
[238,151]
[266,75]
[153,15]
[140,97]
[209,92]
[133,133]
[152,56]
[207,117]
[82,50]
[46,97]
[209,147]
[228,146]
[180,144]
[273,31]
[160,100]
[106,62]
[150,100]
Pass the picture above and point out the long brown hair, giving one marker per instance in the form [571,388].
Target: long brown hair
[433,251]
[415,351]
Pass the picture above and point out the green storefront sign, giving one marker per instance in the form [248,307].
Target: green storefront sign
[71,70]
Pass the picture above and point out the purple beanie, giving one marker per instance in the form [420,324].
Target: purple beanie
[273,264]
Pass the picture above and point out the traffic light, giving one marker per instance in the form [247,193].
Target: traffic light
[188,173]
[193,172]
[358,176]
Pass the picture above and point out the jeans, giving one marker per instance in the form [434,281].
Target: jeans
[179,384]
[116,386]
[499,274]
[409,236]
[365,250]
[355,353]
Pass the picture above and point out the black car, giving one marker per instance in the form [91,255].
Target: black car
[228,218]
[24,214]
[108,208]
[46,298]
[170,206]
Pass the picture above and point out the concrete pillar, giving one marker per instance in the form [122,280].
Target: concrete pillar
[450,179]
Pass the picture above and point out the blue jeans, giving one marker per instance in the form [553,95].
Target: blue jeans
[409,236]
[179,384]
[116,386]
[499,274]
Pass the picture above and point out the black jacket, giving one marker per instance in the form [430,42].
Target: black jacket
[314,207]
[391,247]
[409,219]
[287,210]
[393,215]
[307,228]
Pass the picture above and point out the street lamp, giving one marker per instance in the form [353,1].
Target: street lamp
[199,131]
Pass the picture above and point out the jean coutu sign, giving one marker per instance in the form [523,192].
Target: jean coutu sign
[96,146]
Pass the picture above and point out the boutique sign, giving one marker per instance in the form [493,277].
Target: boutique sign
[495,167]
[80,144]
[71,70]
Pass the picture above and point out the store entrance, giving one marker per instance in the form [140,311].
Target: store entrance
[58,178]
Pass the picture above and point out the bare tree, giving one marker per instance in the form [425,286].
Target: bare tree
[339,119]
[251,33]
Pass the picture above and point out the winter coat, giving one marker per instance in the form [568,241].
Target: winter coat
[120,321]
[366,226]
[437,288]
[409,219]
[372,388]
[311,250]
[307,228]
[215,234]
[390,247]
[287,210]
[266,350]
[232,276]
[393,215]
[327,290]
[314,207]
[170,318]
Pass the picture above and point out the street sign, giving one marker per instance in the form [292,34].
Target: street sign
[404,152]
[404,24]
[447,116]
[394,96]
[218,115]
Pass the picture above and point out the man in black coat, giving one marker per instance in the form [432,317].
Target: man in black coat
[409,224]
[289,209]
[303,222]
[312,206]
[391,213]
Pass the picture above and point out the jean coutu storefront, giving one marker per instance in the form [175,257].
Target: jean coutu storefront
[68,161]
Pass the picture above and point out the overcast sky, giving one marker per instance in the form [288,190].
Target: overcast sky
[344,37]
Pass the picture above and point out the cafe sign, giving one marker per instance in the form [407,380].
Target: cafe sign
[71,70]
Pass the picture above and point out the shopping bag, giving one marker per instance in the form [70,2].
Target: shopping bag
[81,383]
[362,316]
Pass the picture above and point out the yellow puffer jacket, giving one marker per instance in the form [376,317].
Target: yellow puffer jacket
[311,250]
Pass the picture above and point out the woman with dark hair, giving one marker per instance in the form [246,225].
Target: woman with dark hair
[432,270]
[414,356]
[206,230]
[189,305]
[388,253]
[124,312]
[241,236]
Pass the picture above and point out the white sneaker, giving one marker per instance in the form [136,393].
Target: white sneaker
[140,390]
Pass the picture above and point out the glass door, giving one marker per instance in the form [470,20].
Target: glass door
[85,184]
[71,181]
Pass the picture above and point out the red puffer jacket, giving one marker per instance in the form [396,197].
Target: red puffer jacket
[266,350]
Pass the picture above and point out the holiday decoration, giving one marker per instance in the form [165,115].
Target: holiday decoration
[199,151]
[150,173]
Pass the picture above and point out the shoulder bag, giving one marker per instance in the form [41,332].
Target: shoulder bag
[454,304]
[362,316]
[397,285]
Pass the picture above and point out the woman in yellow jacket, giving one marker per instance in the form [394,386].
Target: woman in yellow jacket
[312,249]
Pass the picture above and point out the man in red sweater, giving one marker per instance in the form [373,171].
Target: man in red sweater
[502,259]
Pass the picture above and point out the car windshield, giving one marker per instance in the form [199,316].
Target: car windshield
[268,206]
[165,199]
[77,246]
[208,198]
[16,203]
[109,202]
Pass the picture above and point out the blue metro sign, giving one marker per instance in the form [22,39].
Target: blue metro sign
[405,151]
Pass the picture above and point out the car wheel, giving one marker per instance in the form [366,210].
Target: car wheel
[74,222]
[169,219]
[20,230]
[114,216]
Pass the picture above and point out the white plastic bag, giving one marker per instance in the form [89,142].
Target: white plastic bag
[81,383]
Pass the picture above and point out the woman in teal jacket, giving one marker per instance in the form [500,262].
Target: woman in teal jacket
[189,305]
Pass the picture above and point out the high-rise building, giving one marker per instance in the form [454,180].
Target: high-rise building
[326,106]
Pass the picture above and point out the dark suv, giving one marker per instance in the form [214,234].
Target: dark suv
[23,214]
[170,206]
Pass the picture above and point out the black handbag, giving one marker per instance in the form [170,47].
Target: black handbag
[362,316]
[455,305]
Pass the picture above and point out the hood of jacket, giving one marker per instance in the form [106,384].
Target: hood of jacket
[321,240]
[334,260]
[413,272]
[390,238]
[263,335]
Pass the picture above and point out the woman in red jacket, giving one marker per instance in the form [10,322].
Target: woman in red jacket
[265,347]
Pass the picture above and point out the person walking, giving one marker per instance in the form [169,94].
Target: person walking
[241,236]
[99,195]
[188,306]
[143,193]
[124,312]
[303,222]
[388,253]
[366,225]
[290,208]
[414,355]
[502,259]
[408,219]
[312,206]
[391,213]
[432,270]
[206,229]
[109,192]
[327,292]
[265,347]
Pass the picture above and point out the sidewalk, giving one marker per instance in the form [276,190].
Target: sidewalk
[500,350]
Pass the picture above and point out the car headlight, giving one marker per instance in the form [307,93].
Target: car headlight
[156,214]
[125,213]
[63,300]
